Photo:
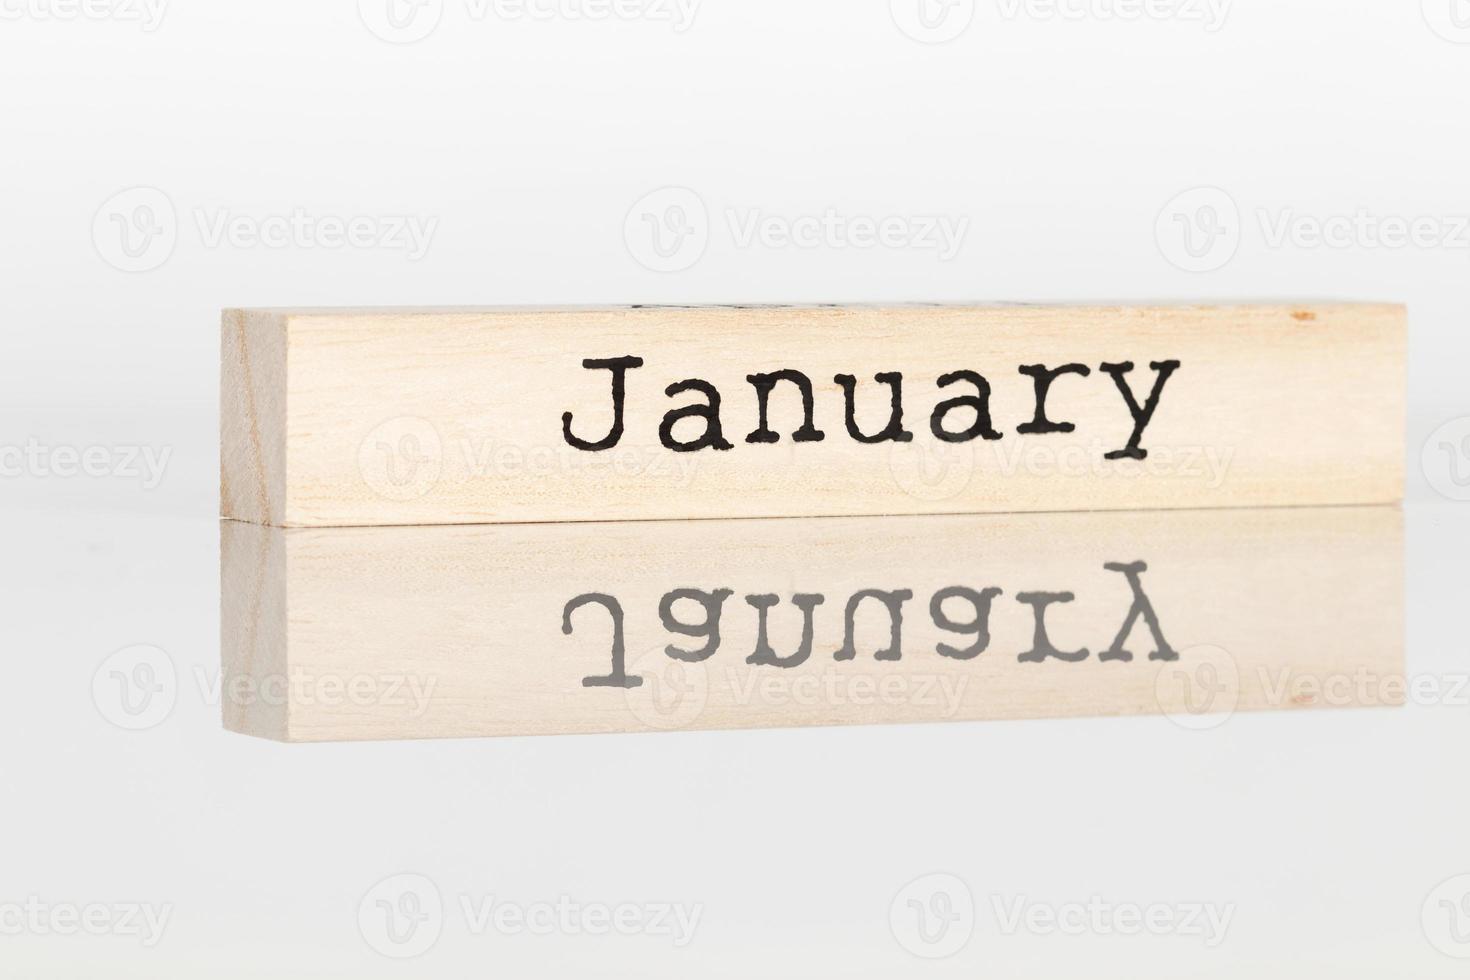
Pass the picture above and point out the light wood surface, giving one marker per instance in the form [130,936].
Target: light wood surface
[370,417]
[419,632]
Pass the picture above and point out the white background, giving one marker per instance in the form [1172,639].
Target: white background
[1061,141]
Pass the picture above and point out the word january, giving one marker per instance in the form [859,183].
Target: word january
[975,404]
[981,603]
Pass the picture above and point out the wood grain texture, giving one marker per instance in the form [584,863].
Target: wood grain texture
[420,632]
[253,417]
[377,418]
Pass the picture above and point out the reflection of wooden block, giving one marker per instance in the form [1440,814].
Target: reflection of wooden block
[353,633]
[336,418]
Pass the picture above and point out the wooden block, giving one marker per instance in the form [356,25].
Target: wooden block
[360,417]
[422,632]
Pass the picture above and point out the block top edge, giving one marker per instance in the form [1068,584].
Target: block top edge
[1197,306]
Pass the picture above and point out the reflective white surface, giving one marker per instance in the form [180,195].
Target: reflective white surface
[1336,840]
[1320,834]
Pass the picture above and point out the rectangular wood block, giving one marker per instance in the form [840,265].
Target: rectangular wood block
[422,632]
[518,415]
